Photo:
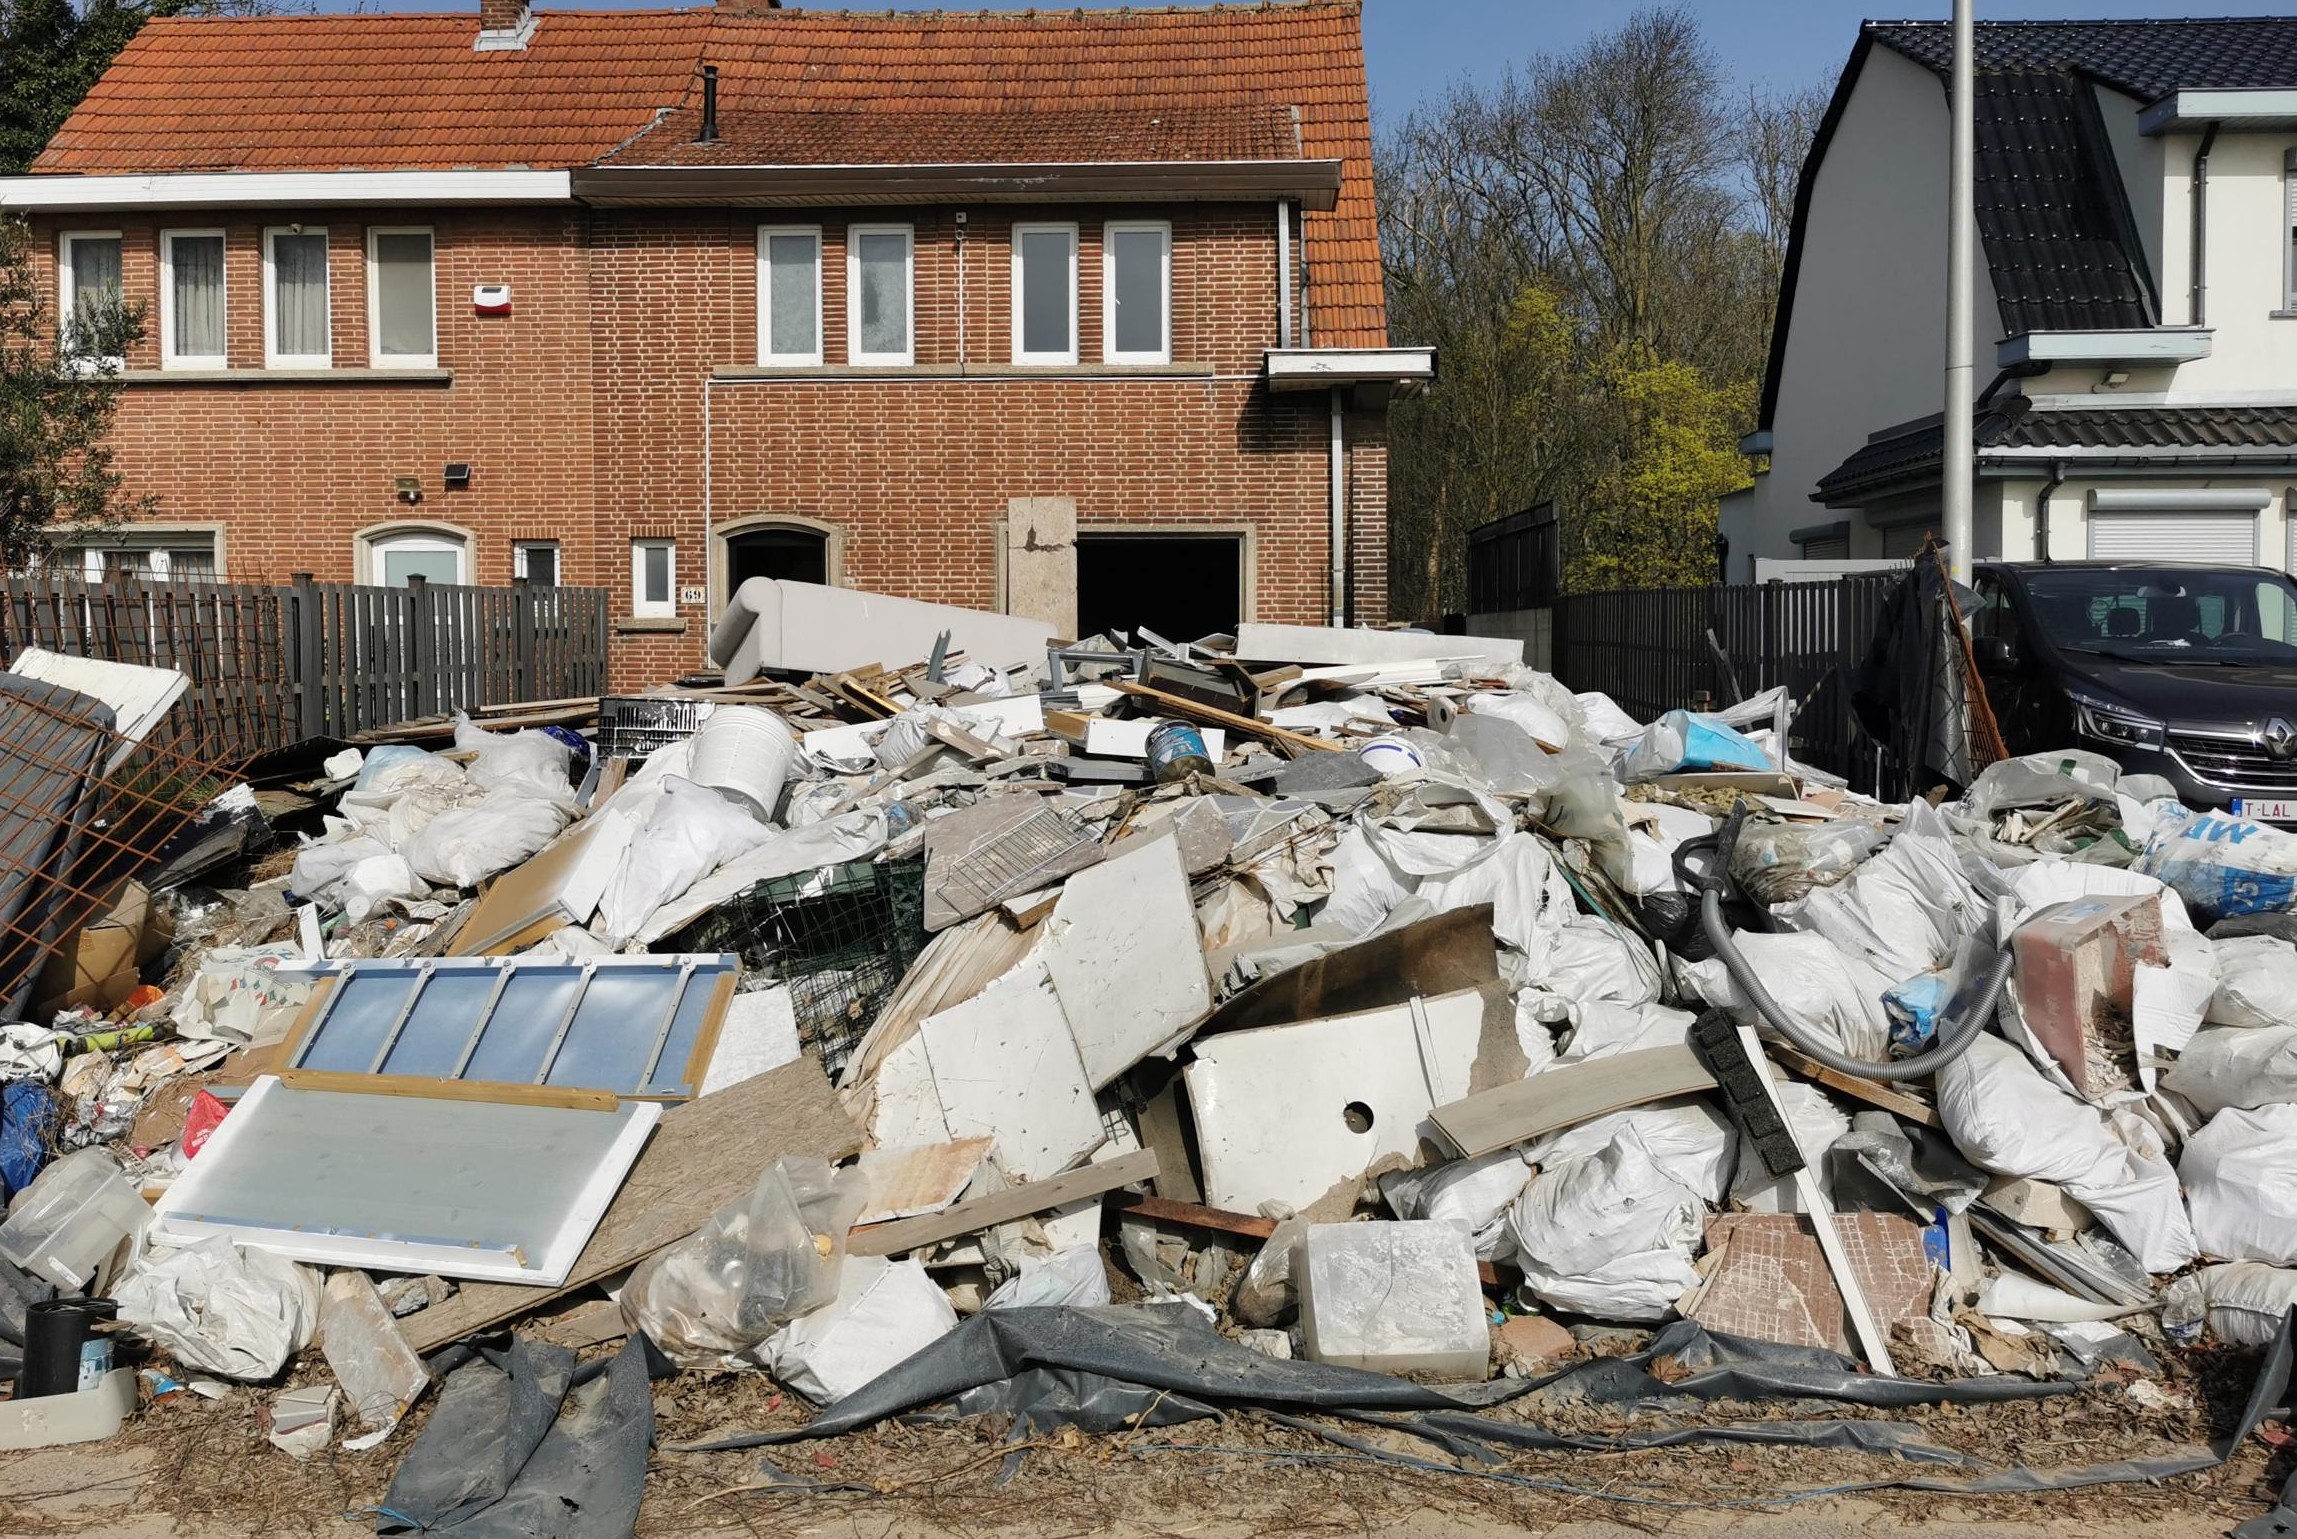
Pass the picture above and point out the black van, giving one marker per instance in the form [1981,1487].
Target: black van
[2187,672]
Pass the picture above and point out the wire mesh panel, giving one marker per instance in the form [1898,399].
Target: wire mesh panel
[840,939]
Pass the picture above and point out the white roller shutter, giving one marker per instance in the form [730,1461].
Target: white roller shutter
[2213,536]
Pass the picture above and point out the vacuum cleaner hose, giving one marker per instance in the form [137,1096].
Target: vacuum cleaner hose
[1966,1014]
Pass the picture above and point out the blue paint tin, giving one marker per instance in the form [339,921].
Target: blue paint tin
[1176,750]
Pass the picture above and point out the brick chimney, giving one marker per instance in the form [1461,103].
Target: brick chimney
[504,26]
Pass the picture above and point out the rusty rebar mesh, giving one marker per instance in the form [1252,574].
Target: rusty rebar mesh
[82,810]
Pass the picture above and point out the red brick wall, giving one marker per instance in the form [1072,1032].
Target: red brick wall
[583,411]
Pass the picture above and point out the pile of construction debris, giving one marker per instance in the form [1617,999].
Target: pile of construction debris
[1392,1029]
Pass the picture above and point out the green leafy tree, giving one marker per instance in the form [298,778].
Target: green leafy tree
[51,53]
[59,389]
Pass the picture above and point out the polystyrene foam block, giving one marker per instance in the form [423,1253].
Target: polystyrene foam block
[1393,1297]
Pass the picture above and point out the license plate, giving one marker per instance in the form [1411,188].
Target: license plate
[2260,810]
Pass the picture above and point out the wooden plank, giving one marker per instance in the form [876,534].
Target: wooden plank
[1872,1092]
[908,1234]
[704,1155]
[511,1094]
[1246,725]
[1566,1095]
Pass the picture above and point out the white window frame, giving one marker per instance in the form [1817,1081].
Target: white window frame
[67,297]
[1109,350]
[1067,357]
[518,555]
[272,358]
[169,357]
[642,608]
[766,353]
[376,357]
[375,543]
[853,235]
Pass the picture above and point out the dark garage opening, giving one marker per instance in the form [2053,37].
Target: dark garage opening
[792,555]
[1180,586]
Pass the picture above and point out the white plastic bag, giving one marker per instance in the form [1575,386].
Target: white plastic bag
[221,1308]
[757,1264]
[2236,1066]
[1602,1030]
[1823,989]
[1073,1277]
[1266,1294]
[532,758]
[1607,724]
[1545,725]
[885,1312]
[2240,1176]
[1590,961]
[1472,1195]
[2223,866]
[2256,982]
[691,832]
[320,868]
[1531,901]
[2006,1118]
[373,882]
[1692,1143]
[504,828]
[2246,1302]
[1608,1235]
[1905,910]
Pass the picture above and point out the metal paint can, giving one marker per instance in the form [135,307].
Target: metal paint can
[1176,751]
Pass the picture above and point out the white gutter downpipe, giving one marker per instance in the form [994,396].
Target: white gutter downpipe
[1339,512]
[1957,461]
[1283,273]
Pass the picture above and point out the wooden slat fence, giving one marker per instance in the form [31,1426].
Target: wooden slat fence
[273,665]
[1647,648]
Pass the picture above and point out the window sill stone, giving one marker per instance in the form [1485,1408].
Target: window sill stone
[286,376]
[650,625]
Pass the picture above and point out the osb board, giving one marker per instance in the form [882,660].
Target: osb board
[704,1154]
[1768,1279]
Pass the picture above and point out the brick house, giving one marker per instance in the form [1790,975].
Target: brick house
[1076,314]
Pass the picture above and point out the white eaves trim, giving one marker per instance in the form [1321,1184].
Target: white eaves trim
[1320,368]
[257,189]
[2154,346]
[2240,110]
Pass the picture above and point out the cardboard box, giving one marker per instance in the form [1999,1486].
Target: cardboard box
[101,964]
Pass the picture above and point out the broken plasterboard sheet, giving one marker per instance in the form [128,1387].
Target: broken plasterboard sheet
[139,696]
[921,1178]
[1126,960]
[1766,1277]
[760,1033]
[1005,1066]
[1109,738]
[816,629]
[1286,1113]
[904,1109]
[407,1183]
[1329,644]
[705,1154]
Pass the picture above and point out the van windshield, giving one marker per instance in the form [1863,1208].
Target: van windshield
[2168,614]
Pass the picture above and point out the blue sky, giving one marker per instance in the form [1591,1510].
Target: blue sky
[1417,48]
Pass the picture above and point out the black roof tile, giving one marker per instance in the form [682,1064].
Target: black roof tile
[2051,213]
[1905,453]
[2145,59]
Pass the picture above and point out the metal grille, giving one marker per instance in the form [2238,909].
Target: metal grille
[2233,763]
[840,939]
[633,726]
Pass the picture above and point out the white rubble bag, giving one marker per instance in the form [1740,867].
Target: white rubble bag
[1590,961]
[691,832]
[1609,1234]
[1691,1142]
[1542,722]
[1266,1294]
[2223,866]
[2245,1302]
[320,868]
[1602,1030]
[222,1308]
[1903,911]
[1829,992]
[532,758]
[375,881]
[1073,1277]
[2240,1177]
[2236,1066]
[1472,1195]
[2256,982]
[885,1312]
[1816,1123]
[2007,1119]
[465,845]
[1531,899]
[757,1264]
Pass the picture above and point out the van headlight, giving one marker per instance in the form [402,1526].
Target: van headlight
[2110,723]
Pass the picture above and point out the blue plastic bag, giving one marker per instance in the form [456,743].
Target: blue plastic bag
[29,1115]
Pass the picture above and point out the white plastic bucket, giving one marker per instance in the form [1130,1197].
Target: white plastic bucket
[744,751]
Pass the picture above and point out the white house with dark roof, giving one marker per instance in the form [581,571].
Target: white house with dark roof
[2136,310]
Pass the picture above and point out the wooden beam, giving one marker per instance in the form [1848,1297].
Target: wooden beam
[1872,1092]
[908,1234]
[1246,725]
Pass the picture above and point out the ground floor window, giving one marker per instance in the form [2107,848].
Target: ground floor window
[653,579]
[1181,586]
[178,555]
[536,561]
[785,552]
[390,557]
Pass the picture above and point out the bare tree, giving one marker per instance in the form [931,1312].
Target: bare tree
[1775,137]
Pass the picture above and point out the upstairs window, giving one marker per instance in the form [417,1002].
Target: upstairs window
[191,299]
[789,295]
[296,333]
[878,294]
[90,308]
[402,305]
[1045,293]
[1136,292]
